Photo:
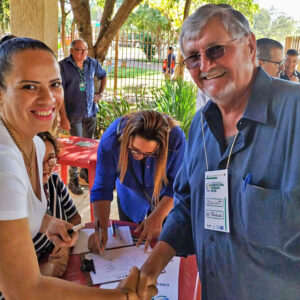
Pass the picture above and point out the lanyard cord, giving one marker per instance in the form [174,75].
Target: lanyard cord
[204,145]
[81,73]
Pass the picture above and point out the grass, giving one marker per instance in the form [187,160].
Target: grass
[132,72]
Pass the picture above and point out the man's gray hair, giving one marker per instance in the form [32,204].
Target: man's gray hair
[73,43]
[233,21]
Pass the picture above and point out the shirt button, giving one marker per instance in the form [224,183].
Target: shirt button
[212,238]
[240,124]
[148,167]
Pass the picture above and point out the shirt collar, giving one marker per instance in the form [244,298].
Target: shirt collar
[257,107]
[71,60]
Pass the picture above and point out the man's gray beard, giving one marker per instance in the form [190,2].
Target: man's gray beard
[224,95]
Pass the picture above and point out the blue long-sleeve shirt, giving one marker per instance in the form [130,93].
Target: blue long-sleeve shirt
[80,104]
[260,257]
[132,199]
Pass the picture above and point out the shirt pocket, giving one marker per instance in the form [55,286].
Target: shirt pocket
[260,215]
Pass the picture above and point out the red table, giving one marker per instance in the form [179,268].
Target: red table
[188,284]
[75,155]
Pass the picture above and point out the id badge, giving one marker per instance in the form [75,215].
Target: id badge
[216,212]
[82,86]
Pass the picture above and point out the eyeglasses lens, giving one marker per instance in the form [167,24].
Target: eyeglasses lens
[211,53]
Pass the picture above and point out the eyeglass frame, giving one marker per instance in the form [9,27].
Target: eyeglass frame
[47,161]
[81,50]
[138,152]
[198,55]
[279,63]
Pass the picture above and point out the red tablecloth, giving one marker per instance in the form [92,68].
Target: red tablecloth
[72,154]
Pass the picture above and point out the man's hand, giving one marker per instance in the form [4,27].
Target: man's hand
[97,97]
[146,286]
[57,231]
[150,229]
[294,78]
[94,241]
[131,285]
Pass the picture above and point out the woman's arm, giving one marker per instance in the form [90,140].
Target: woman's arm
[20,277]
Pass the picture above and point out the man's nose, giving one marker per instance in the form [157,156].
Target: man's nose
[205,63]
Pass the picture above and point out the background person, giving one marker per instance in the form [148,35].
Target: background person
[59,205]
[250,130]
[290,64]
[170,63]
[81,101]
[140,155]
[30,97]
[270,56]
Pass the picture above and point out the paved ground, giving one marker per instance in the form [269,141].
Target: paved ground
[82,203]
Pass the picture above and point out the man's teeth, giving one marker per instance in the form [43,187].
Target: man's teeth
[215,75]
[44,113]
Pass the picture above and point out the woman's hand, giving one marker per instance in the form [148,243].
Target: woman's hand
[56,230]
[95,244]
[150,229]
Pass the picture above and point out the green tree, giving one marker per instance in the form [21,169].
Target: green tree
[148,19]
[273,24]
[4,15]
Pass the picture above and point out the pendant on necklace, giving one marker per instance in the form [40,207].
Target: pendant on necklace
[82,86]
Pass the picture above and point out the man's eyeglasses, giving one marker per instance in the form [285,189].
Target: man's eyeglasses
[51,161]
[81,50]
[138,153]
[212,53]
[279,63]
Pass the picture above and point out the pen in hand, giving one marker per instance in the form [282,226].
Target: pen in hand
[76,228]
[100,234]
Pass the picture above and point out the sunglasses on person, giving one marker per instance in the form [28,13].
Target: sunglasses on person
[81,50]
[138,153]
[279,63]
[51,161]
[212,53]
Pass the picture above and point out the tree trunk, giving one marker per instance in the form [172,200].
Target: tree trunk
[106,18]
[82,15]
[179,70]
[104,40]
[63,27]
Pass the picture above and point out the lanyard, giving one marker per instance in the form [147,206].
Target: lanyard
[204,145]
[81,73]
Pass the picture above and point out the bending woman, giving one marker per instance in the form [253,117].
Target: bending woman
[30,97]
[140,154]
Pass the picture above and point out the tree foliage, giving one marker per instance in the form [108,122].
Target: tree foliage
[146,18]
[173,10]
[273,24]
[4,14]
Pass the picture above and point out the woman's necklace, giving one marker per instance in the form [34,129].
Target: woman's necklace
[28,160]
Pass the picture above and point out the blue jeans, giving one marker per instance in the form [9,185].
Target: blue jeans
[83,127]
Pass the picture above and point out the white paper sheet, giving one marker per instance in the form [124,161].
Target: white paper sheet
[167,283]
[115,264]
[113,242]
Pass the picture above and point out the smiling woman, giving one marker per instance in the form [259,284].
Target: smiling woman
[30,97]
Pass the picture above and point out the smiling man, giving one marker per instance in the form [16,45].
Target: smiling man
[290,64]
[236,194]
